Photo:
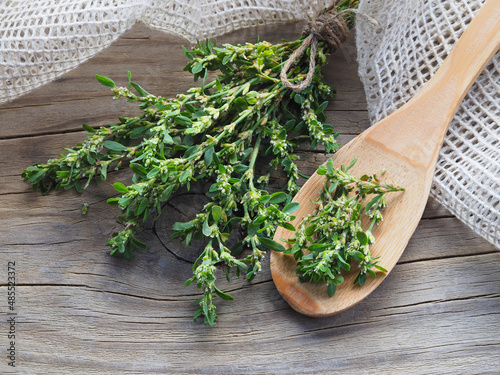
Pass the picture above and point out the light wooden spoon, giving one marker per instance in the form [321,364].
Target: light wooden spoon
[406,144]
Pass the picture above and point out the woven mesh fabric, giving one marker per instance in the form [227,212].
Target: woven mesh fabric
[395,61]
[42,39]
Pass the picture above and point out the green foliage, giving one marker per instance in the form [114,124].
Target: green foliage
[217,133]
[331,239]
[213,133]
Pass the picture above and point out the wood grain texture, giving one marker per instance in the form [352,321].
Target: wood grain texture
[82,311]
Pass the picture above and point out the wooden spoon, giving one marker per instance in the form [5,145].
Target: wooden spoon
[406,144]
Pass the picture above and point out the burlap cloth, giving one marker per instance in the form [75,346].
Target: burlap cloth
[42,39]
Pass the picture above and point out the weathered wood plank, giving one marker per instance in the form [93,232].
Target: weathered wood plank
[64,240]
[394,331]
[83,311]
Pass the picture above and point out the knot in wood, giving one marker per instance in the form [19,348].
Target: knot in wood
[330,27]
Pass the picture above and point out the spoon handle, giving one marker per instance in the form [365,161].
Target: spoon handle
[418,128]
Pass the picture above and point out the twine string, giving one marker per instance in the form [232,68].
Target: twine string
[328,26]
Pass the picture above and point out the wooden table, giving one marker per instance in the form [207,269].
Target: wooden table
[80,310]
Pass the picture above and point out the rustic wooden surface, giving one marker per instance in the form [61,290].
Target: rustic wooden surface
[80,310]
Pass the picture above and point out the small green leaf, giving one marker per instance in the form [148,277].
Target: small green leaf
[216,213]
[329,166]
[352,164]
[278,197]
[264,199]
[105,81]
[113,201]
[358,255]
[373,201]
[85,208]
[139,89]
[166,193]
[321,170]
[218,85]
[221,294]
[185,121]
[318,246]
[142,206]
[63,174]
[197,68]
[332,288]
[338,280]
[188,139]
[209,156]
[321,107]
[226,59]
[138,132]
[123,202]
[288,226]
[182,226]
[259,220]
[78,184]
[139,169]
[240,103]
[299,99]
[184,176]
[344,265]
[186,53]
[37,177]
[380,268]
[240,168]
[361,279]
[237,248]
[291,207]
[119,187]
[104,171]
[310,230]
[207,231]
[138,188]
[114,146]
[333,187]
[362,238]
[271,244]
[88,129]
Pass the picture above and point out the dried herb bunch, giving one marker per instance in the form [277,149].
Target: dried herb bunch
[331,239]
[215,132]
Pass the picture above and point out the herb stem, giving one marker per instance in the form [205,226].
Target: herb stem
[255,152]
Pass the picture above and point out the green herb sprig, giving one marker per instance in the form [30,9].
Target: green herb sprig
[216,133]
[331,239]
[224,132]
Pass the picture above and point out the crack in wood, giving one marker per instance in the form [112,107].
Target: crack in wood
[183,297]
[437,217]
[446,257]
[41,134]
[437,301]
[45,243]
[5,107]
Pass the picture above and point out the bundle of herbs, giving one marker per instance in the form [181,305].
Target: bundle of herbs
[331,239]
[216,132]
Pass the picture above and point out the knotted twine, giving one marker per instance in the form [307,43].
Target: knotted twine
[328,26]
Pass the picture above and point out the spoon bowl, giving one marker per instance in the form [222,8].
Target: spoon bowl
[406,145]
